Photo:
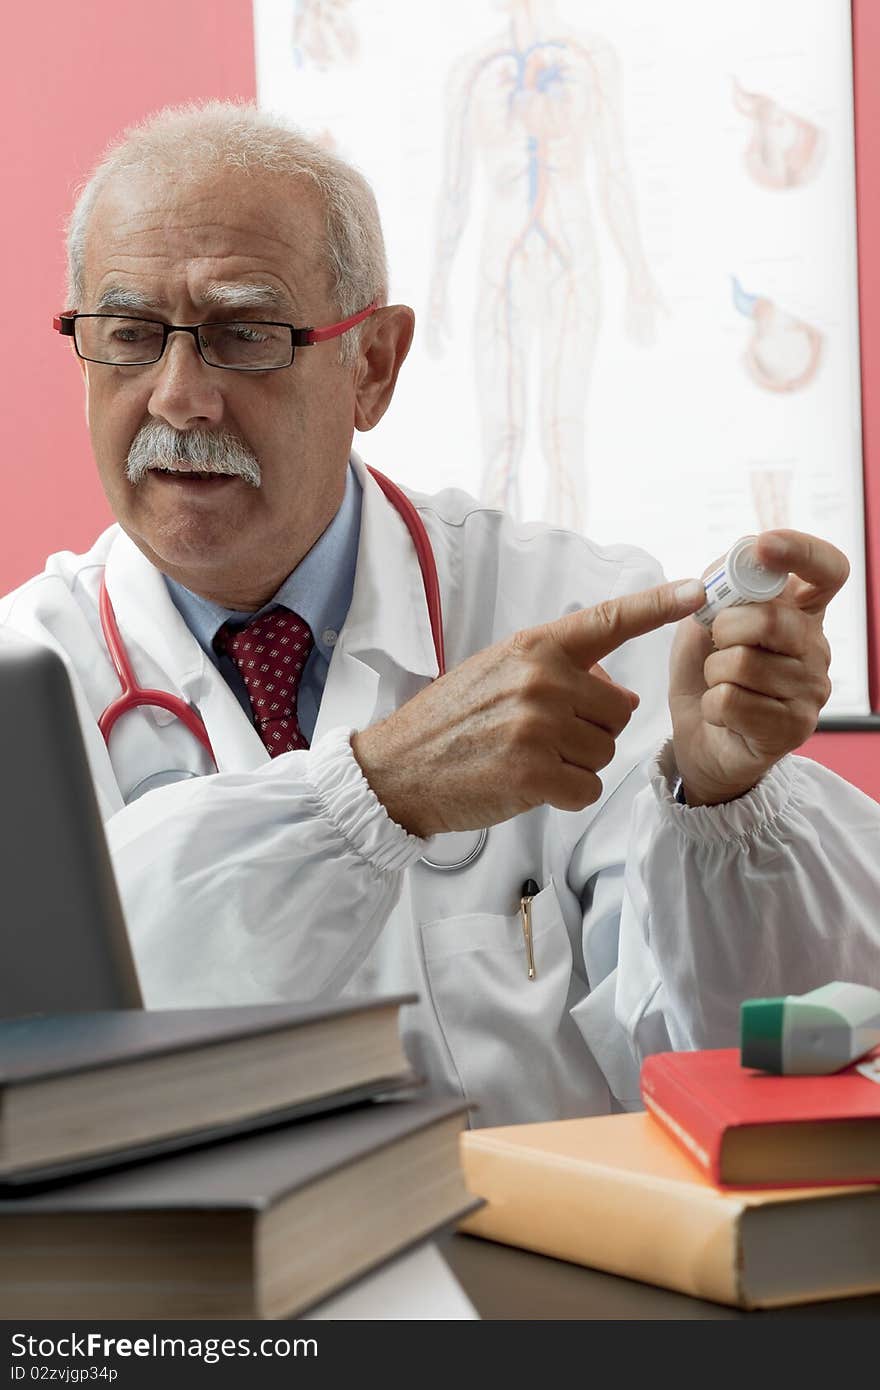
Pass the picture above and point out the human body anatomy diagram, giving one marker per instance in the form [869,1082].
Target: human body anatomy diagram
[324,34]
[782,352]
[782,355]
[532,110]
[784,150]
[771,494]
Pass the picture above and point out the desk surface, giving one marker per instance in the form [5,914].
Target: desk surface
[505,1283]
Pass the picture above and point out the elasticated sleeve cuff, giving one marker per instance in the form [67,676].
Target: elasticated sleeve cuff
[352,806]
[746,816]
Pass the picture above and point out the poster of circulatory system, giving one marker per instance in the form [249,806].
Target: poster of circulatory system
[628,232]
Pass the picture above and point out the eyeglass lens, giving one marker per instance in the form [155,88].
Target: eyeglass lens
[137,342]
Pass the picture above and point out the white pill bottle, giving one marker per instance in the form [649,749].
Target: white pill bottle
[739,578]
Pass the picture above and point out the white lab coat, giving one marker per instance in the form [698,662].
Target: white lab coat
[286,879]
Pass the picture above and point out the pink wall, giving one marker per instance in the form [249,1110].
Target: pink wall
[78,74]
[856,756]
[74,75]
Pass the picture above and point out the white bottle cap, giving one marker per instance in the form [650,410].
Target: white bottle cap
[754,582]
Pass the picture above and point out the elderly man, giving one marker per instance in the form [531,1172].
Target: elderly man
[292,838]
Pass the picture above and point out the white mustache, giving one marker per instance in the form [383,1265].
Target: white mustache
[158,445]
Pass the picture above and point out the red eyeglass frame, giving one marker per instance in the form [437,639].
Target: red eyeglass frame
[65,324]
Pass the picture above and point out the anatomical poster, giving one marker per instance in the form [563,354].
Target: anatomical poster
[627,229]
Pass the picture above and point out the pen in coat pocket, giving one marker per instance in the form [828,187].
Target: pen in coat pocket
[529,890]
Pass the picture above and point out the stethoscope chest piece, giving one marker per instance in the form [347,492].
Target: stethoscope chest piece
[454,850]
[157,779]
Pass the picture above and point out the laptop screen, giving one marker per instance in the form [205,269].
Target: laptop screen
[63,943]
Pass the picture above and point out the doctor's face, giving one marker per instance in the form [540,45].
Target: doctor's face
[229,247]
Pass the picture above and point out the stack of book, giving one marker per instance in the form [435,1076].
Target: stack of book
[216,1163]
[747,1189]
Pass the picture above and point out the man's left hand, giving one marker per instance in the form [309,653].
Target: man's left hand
[752,691]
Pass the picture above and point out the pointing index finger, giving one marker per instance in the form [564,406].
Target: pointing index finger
[590,634]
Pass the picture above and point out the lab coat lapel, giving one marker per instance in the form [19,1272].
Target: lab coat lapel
[164,653]
[236,743]
[384,650]
[387,633]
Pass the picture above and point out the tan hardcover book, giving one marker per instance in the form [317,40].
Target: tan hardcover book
[616,1192]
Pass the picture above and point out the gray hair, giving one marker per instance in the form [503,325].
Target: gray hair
[202,138]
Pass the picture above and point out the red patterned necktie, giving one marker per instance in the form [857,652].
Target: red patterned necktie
[270,653]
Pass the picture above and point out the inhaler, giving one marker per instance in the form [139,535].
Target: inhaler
[810,1034]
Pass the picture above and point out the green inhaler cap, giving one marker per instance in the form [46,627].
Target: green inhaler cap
[760,1031]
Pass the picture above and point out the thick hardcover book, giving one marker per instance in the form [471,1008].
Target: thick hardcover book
[617,1193]
[79,1091]
[748,1128]
[259,1227]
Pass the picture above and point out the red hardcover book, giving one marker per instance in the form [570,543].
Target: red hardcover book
[747,1128]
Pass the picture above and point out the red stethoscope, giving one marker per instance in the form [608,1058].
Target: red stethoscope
[136,696]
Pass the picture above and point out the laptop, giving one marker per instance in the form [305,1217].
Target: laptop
[63,942]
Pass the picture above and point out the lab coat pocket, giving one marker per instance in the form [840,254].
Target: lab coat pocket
[516,1051]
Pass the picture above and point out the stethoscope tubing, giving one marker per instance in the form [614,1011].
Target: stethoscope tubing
[425,555]
[135,696]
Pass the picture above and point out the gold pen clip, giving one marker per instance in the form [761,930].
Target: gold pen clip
[529,890]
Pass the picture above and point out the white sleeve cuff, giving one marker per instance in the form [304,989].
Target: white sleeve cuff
[731,820]
[352,806]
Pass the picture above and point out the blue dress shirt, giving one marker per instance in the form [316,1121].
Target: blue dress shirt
[319,590]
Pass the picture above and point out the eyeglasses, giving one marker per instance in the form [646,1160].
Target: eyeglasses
[117,340]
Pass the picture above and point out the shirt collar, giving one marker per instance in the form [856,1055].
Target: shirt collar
[319,589]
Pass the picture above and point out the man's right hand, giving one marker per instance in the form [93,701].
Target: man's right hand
[526,722]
